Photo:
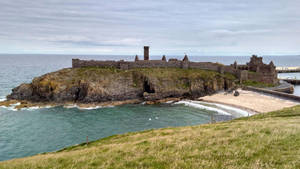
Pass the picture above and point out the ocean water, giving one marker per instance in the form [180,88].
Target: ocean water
[31,131]
[289,75]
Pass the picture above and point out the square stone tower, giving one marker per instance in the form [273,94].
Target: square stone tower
[146,52]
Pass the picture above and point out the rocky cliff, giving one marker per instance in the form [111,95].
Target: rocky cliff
[90,85]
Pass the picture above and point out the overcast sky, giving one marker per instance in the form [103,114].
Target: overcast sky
[195,27]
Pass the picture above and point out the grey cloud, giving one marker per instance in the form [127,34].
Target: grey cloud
[214,27]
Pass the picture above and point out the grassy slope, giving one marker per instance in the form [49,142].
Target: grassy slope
[269,140]
[257,84]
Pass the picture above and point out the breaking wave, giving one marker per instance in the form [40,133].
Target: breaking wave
[2,98]
[86,108]
[219,108]
[200,106]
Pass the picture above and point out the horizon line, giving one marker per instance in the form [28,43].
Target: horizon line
[192,55]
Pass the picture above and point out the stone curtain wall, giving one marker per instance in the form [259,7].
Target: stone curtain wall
[263,77]
[255,70]
[76,63]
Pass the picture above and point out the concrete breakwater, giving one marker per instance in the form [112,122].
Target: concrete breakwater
[275,93]
[287,69]
[284,86]
[292,81]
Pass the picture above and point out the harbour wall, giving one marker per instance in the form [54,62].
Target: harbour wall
[275,93]
[292,81]
[288,69]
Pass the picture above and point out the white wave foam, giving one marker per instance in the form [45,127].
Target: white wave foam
[96,107]
[11,108]
[17,104]
[47,107]
[237,110]
[70,106]
[200,106]
[86,108]
[219,108]
[89,108]
[32,108]
[2,98]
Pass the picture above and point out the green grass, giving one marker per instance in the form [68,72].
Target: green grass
[257,84]
[270,140]
[154,72]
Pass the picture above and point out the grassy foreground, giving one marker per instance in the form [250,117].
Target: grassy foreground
[270,140]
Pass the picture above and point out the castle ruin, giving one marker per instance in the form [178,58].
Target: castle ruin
[255,70]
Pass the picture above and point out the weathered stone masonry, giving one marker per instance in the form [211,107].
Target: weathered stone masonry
[254,70]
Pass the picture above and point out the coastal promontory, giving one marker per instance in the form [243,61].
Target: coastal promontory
[153,81]
[95,85]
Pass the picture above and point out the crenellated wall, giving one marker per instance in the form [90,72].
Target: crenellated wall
[172,63]
[76,63]
[255,70]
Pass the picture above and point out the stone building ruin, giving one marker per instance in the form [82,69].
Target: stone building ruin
[255,70]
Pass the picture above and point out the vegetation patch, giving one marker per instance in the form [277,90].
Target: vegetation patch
[257,84]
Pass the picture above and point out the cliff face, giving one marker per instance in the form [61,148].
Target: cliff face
[88,85]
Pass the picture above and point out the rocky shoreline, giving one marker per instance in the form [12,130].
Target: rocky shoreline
[107,86]
[19,105]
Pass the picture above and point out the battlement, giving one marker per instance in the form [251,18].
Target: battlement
[171,63]
[264,73]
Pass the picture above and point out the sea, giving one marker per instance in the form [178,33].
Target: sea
[31,131]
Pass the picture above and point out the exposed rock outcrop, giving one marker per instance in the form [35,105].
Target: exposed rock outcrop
[89,85]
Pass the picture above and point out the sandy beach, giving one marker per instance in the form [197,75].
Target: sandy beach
[254,101]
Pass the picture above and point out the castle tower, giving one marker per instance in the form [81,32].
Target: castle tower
[146,52]
[185,58]
[235,65]
[185,62]
[136,58]
[271,64]
[272,67]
